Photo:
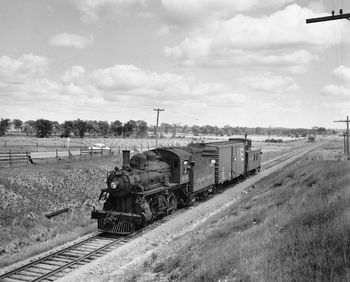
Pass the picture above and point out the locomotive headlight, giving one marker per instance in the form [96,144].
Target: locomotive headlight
[114,184]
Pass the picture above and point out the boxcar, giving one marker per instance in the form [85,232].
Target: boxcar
[228,158]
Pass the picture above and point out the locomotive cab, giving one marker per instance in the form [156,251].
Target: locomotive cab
[179,160]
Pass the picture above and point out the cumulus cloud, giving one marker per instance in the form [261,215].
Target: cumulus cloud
[270,83]
[75,74]
[130,80]
[336,90]
[340,90]
[266,41]
[124,85]
[92,9]
[71,40]
[186,12]
[27,65]
[342,73]
[25,80]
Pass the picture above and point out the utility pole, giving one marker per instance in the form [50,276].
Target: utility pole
[157,110]
[331,18]
[347,135]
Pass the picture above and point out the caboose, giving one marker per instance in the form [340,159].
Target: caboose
[155,183]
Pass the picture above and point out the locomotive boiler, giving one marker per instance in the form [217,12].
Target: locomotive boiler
[154,183]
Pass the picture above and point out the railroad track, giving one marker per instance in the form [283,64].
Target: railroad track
[280,159]
[284,157]
[59,263]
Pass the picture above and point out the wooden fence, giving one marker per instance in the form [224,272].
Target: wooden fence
[93,152]
[15,157]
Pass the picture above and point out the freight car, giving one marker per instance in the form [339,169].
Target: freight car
[155,183]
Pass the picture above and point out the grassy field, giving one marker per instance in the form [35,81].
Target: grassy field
[28,193]
[292,226]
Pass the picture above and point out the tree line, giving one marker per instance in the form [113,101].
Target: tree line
[229,130]
[44,128]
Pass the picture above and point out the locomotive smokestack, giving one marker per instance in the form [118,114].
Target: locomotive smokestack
[126,158]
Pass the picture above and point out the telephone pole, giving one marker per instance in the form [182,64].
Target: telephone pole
[331,18]
[346,150]
[157,110]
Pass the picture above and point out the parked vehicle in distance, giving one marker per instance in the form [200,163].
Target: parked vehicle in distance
[99,146]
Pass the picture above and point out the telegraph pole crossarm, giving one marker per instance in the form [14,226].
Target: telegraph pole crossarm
[157,110]
[330,18]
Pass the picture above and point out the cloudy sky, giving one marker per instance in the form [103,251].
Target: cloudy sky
[237,62]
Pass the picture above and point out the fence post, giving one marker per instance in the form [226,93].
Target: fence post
[119,150]
[10,158]
[91,152]
[56,154]
[110,151]
[27,157]
[5,143]
[101,151]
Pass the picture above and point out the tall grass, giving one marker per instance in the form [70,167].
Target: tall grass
[294,226]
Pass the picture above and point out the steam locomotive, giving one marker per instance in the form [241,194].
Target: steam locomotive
[155,183]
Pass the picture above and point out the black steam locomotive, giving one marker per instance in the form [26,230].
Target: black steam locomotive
[155,183]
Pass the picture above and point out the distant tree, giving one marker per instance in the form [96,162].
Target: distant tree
[195,130]
[4,126]
[142,128]
[116,128]
[185,129]
[92,127]
[29,127]
[165,127]
[129,128]
[43,128]
[80,128]
[67,128]
[56,128]
[207,129]
[175,128]
[321,130]
[17,123]
[103,127]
